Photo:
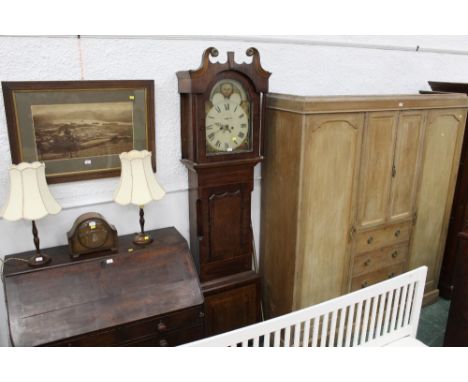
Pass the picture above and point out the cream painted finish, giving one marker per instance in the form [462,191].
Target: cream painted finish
[444,133]
[331,146]
[372,184]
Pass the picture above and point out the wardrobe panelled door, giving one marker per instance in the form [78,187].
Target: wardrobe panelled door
[444,133]
[349,187]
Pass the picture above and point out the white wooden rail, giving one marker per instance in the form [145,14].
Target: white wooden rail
[379,315]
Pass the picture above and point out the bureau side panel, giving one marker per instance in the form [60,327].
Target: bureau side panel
[443,136]
[280,184]
[331,151]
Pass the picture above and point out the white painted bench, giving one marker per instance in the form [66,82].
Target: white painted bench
[384,314]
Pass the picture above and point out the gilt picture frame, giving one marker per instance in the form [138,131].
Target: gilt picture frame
[79,128]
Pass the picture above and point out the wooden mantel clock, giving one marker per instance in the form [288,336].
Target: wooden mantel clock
[221,128]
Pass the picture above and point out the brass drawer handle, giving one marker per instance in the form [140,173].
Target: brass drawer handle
[394,254]
[367,262]
[163,343]
[397,233]
[390,275]
[370,240]
[364,284]
[162,326]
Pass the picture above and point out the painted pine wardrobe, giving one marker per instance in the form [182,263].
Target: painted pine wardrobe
[355,190]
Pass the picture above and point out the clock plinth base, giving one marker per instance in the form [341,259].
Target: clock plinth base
[38,260]
[142,239]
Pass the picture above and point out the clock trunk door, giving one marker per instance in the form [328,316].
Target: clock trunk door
[225,246]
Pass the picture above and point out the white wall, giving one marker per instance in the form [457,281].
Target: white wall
[319,65]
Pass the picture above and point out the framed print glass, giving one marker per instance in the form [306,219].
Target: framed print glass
[79,128]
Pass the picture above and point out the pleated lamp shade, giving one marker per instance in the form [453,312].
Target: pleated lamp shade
[29,197]
[138,184]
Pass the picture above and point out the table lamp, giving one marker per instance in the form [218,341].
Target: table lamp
[138,186]
[30,199]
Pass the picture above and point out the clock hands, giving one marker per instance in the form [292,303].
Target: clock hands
[224,127]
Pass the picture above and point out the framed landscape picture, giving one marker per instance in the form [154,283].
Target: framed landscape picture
[79,128]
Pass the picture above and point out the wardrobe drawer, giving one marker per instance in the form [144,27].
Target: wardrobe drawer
[382,237]
[381,258]
[367,279]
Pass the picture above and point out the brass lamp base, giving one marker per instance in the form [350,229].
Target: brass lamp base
[38,260]
[142,239]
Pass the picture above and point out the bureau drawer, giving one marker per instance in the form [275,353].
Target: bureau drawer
[377,276]
[382,237]
[381,258]
[176,338]
[162,325]
[106,338]
[150,332]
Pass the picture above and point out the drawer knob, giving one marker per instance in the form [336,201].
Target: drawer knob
[394,254]
[364,284]
[390,275]
[370,240]
[367,262]
[163,343]
[162,326]
[397,233]
[201,314]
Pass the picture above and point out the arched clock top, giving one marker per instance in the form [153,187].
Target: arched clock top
[196,81]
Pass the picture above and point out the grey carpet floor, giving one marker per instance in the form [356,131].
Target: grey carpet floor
[432,323]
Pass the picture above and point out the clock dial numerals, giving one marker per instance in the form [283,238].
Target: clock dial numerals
[227,118]
[227,127]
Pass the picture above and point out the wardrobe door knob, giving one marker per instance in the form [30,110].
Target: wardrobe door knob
[394,254]
[367,262]
[397,233]
[370,240]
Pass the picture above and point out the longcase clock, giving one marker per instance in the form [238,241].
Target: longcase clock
[221,129]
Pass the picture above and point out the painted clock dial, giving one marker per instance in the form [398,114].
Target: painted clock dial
[227,120]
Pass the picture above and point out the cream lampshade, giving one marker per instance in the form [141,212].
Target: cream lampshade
[138,186]
[30,199]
